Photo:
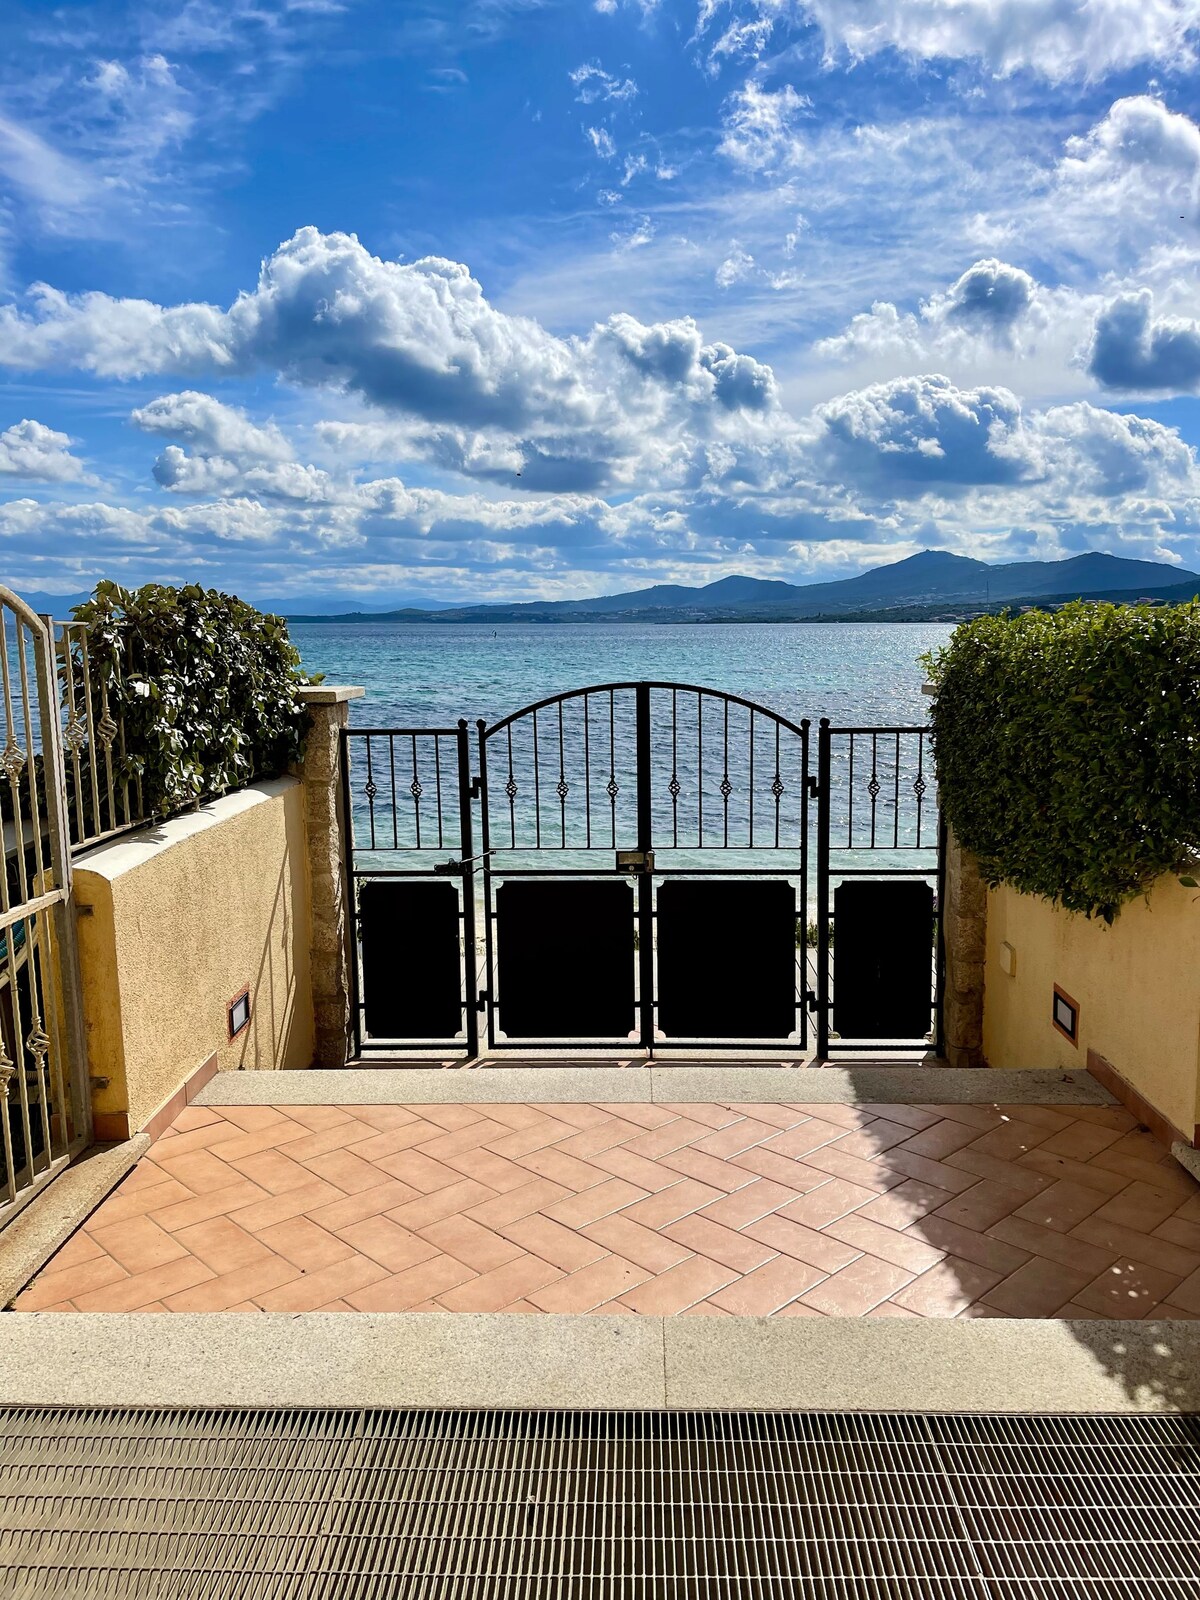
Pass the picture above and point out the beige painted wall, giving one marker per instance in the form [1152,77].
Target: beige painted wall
[1137,984]
[184,915]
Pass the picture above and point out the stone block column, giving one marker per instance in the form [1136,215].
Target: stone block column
[329,712]
[965,935]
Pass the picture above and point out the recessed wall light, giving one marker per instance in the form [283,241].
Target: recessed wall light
[239,1013]
[1065,1015]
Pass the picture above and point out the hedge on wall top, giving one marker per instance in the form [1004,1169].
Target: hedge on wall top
[204,686]
[1068,748]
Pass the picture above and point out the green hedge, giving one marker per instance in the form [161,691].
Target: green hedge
[1068,748]
[204,685]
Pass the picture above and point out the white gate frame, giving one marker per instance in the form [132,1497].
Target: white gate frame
[45,1078]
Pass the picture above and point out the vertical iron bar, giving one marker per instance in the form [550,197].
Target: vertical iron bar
[72,728]
[485,845]
[510,787]
[849,798]
[896,800]
[587,774]
[725,789]
[562,779]
[699,771]
[939,989]
[537,788]
[414,791]
[612,765]
[437,772]
[873,786]
[920,784]
[823,786]
[752,777]
[370,792]
[645,882]
[673,787]
[351,895]
[392,769]
[804,727]
[468,889]
[90,725]
[777,786]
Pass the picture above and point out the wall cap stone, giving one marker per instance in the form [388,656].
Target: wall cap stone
[330,694]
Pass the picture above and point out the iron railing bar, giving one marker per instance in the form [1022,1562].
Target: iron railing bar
[392,771]
[562,779]
[587,775]
[73,727]
[537,789]
[437,772]
[90,724]
[699,769]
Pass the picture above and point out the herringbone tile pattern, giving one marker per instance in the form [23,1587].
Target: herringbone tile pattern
[722,1210]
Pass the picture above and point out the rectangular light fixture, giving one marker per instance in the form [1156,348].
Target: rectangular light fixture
[1065,1015]
[239,1012]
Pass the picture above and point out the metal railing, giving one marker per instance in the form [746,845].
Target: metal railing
[103,797]
[45,1104]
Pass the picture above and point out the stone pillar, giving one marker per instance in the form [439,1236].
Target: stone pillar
[965,934]
[329,712]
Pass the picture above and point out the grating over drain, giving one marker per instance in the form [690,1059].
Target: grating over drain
[363,1505]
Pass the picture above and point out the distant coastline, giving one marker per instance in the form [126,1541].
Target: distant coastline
[932,586]
[678,617]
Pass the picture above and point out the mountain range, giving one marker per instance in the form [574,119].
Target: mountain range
[920,586]
[925,583]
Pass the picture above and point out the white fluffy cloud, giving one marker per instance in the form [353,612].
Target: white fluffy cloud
[212,427]
[626,403]
[31,450]
[924,435]
[1132,349]
[1079,39]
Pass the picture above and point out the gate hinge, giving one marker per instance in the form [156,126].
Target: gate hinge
[814,789]
[476,787]
[482,998]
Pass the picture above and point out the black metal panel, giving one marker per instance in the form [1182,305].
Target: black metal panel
[883,959]
[412,976]
[566,959]
[726,959]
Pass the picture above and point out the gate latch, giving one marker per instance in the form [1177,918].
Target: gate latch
[635,861]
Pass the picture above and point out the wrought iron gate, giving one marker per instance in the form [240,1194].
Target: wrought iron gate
[637,857]
[45,1100]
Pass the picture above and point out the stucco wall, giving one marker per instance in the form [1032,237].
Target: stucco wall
[183,916]
[1137,984]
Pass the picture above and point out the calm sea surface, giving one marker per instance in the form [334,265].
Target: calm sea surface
[430,675]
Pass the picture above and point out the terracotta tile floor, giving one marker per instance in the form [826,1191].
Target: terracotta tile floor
[722,1210]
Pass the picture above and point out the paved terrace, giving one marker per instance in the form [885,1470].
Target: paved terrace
[672,1192]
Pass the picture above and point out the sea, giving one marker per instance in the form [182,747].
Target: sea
[430,674]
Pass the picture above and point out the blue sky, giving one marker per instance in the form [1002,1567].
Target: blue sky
[326,301]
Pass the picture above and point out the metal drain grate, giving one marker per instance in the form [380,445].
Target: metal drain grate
[362,1505]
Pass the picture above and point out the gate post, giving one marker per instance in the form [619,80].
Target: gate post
[964,932]
[645,882]
[325,816]
[823,996]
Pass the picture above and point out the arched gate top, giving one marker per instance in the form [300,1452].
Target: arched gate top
[798,728]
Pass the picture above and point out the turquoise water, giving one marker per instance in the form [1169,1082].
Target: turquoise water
[430,675]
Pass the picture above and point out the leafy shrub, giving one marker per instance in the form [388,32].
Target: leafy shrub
[204,686]
[1067,748]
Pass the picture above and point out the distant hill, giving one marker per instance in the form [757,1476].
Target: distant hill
[928,581]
